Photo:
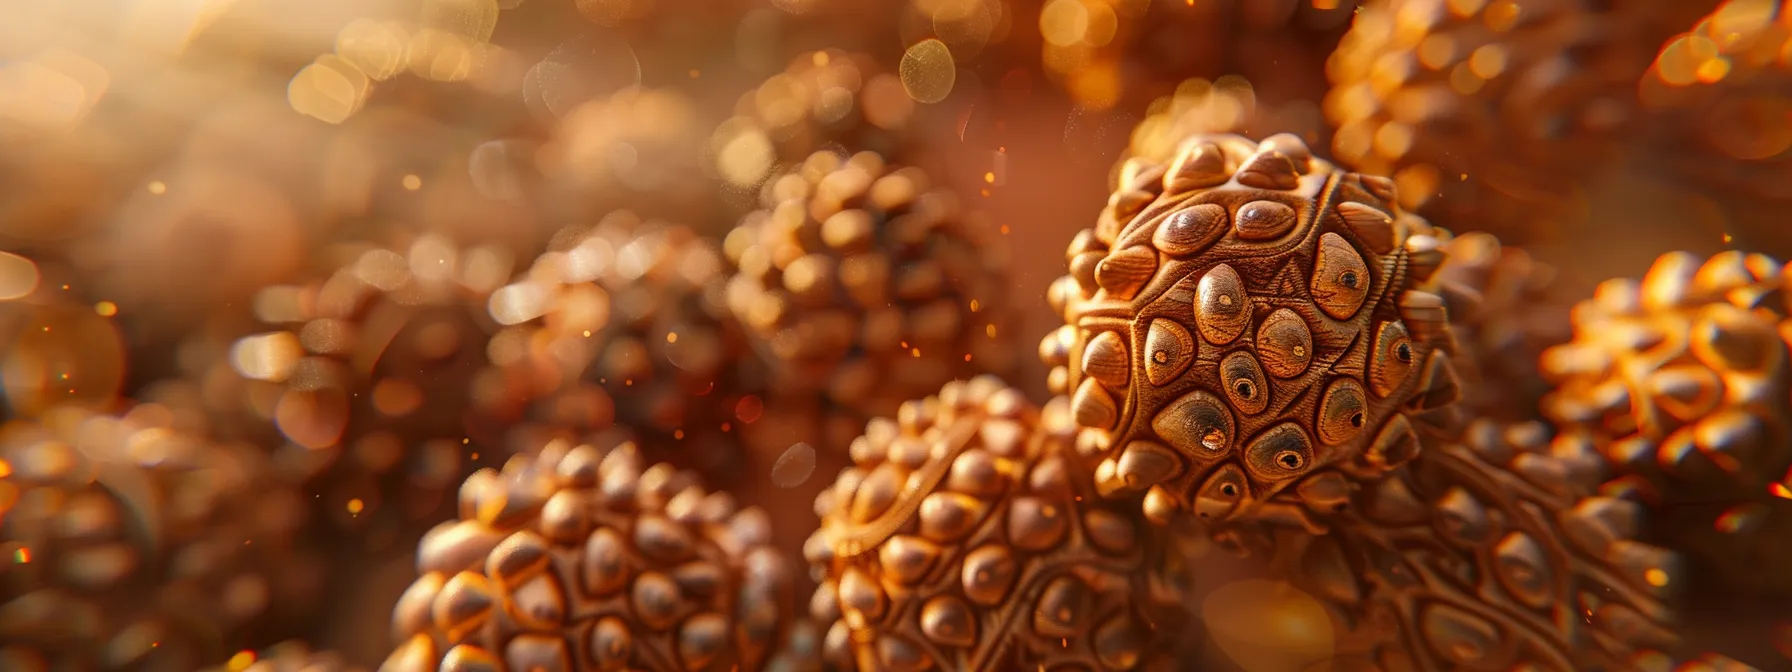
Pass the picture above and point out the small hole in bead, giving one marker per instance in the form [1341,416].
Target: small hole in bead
[1403,352]
[1356,420]
[1245,389]
[1349,279]
[1229,490]
[1290,460]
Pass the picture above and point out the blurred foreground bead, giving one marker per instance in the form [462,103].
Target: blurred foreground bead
[1719,94]
[1487,554]
[1490,115]
[577,558]
[56,348]
[968,536]
[1708,662]
[1681,382]
[630,313]
[293,656]
[1247,321]
[1504,311]
[826,100]
[863,282]
[378,368]
[130,546]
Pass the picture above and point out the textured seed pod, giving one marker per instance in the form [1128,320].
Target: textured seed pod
[1718,96]
[630,312]
[1489,115]
[863,282]
[825,100]
[577,558]
[1505,309]
[292,656]
[131,546]
[1489,554]
[377,363]
[1248,320]
[968,536]
[1681,381]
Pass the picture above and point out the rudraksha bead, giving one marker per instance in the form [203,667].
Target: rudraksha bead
[378,363]
[1681,381]
[861,281]
[1246,324]
[578,558]
[968,536]
[132,546]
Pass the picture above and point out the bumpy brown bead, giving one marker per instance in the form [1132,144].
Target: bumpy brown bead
[1505,310]
[1246,321]
[861,281]
[577,558]
[1489,114]
[1717,94]
[825,100]
[1488,554]
[628,312]
[1681,381]
[968,536]
[129,545]
[377,364]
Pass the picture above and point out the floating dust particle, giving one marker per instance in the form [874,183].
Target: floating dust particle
[18,276]
[105,308]
[157,187]
[928,72]
[355,506]
[241,661]
[794,467]
[412,183]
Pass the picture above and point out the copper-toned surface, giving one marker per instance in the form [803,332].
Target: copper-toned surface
[968,535]
[1680,380]
[131,546]
[578,558]
[1247,317]
[863,281]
